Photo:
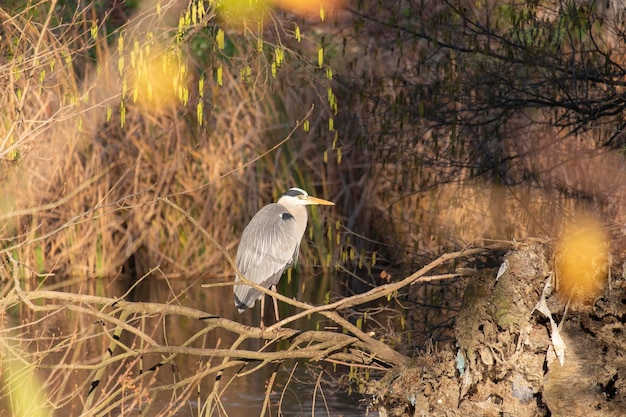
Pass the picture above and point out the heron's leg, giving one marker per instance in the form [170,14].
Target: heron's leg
[275,304]
[261,324]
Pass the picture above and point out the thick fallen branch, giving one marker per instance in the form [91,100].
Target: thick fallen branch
[320,345]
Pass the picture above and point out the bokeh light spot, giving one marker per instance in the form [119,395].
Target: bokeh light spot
[582,259]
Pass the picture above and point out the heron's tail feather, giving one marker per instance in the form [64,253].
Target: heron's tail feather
[245,297]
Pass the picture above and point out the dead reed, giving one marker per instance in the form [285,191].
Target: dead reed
[86,159]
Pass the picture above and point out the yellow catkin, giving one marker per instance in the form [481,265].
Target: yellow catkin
[199,113]
[122,114]
[219,38]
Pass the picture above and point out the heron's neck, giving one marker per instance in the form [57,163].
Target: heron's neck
[300,215]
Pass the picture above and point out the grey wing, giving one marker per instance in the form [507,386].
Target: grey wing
[269,244]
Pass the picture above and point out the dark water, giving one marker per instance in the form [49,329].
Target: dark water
[298,389]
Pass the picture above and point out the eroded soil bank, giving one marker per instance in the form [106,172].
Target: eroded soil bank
[503,362]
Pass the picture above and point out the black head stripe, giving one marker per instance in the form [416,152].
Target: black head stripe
[294,192]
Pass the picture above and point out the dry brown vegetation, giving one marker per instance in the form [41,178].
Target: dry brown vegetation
[87,159]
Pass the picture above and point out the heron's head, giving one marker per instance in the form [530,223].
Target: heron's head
[299,197]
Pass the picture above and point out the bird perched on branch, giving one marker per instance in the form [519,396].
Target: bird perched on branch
[270,244]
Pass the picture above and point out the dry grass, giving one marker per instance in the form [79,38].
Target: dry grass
[86,160]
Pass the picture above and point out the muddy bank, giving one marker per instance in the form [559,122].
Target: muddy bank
[504,362]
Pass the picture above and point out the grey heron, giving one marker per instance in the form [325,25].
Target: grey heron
[270,244]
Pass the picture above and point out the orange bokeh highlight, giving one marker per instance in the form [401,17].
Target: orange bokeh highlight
[306,7]
[243,13]
[582,259]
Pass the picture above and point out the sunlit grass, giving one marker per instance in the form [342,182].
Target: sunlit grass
[21,388]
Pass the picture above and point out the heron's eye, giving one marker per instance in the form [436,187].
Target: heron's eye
[286,216]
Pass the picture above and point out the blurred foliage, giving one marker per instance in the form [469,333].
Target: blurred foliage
[478,120]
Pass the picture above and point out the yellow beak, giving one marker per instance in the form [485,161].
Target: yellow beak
[319,201]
